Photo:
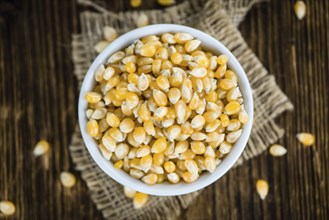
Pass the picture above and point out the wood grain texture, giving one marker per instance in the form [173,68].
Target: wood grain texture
[38,99]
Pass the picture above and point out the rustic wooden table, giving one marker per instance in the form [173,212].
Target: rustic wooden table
[38,99]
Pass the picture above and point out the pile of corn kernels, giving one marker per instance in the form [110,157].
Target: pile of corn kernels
[165,109]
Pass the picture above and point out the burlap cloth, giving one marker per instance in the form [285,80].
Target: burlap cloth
[218,18]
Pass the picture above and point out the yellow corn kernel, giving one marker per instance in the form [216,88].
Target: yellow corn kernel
[156,66]
[115,134]
[127,125]
[67,179]
[171,114]
[120,93]
[181,147]
[144,112]
[227,84]
[187,155]
[222,59]
[181,165]
[199,72]
[130,67]
[212,126]
[119,114]
[161,178]
[187,128]
[176,58]
[135,163]
[93,97]
[198,147]
[189,177]
[173,132]
[162,53]
[166,64]
[118,164]
[150,179]
[144,61]
[92,128]
[210,116]
[212,96]
[159,145]
[243,117]
[233,125]
[202,61]
[130,193]
[140,199]
[262,188]
[180,109]
[192,45]
[133,78]
[168,38]
[7,208]
[220,71]
[224,119]
[306,139]
[158,159]
[143,82]
[174,95]
[191,166]
[160,97]
[146,163]
[194,102]
[108,142]
[148,50]
[180,49]
[182,37]
[210,164]
[160,113]
[225,147]
[198,122]
[170,167]
[232,108]
[149,38]
[43,146]
[173,177]
[139,134]
[149,127]
[163,83]
[99,73]
[229,74]
[144,69]
[132,100]
[143,151]
[112,120]
[198,53]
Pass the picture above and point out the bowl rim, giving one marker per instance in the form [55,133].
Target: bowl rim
[165,189]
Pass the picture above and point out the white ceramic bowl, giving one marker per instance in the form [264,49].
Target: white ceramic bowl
[166,189]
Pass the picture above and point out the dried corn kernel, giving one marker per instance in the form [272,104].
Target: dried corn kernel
[67,179]
[189,177]
[277,150]
[42,147]
[130,193]
[92,128]
[262,188]
[7,207]
[135,3]
[306,139]
[93,97]
[159,145]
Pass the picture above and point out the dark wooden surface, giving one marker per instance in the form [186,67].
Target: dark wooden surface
[38,99]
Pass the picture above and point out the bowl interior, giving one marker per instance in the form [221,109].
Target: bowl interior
[166,189]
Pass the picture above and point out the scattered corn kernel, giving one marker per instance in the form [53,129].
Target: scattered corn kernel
[277,150]
[262,188]
[135,3]
[140,199]
[7,207]
[300,9]
[306,139]
[67,179]
[41,148]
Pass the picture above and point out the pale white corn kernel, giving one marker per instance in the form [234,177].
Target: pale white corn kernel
[110,33]
[105,152]
[225,147]
[116,57]
[130,193]
[7,207]
[121,151]
[173,177]
[233,136]
[67,179]
[142,20]
[277,150]
[101,45]
[42,147]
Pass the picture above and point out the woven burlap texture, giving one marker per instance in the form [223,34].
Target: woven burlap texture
[212,18]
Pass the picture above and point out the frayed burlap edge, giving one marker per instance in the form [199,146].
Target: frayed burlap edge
[105,192]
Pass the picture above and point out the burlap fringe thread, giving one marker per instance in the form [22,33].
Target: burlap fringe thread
[269,100]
